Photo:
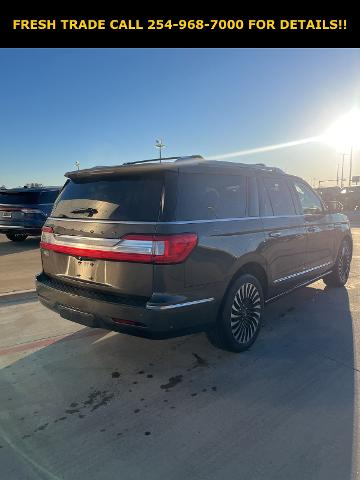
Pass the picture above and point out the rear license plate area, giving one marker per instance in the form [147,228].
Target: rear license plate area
[6,214]
[86,269]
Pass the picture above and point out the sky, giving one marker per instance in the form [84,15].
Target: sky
[108,106]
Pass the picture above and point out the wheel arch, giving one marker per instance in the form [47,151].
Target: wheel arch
[251,267]
[349,237]
[346,237]
[258,271]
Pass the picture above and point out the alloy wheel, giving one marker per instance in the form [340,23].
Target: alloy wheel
[245,313]
[344,262]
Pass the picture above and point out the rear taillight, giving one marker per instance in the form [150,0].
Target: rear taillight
[22,210]
[131,323]
[31,210]
[159,249]
[47,235]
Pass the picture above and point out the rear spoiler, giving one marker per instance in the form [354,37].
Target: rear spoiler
[24,191]
[142,166]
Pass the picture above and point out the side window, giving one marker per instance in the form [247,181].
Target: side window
[253,198]
[211,196]
[309,202]
[280,196]
[265,205]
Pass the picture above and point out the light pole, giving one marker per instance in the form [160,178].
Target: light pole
[342,170]
[77,164]
[160,145]
[350,167]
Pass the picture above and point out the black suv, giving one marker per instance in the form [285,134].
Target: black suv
[162,249]
[23,211]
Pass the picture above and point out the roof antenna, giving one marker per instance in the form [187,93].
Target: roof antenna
[160,145]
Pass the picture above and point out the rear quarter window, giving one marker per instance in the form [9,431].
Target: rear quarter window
[126,198]
[211,196]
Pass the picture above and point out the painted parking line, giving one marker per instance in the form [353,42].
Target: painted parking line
[17,296]
[44,342]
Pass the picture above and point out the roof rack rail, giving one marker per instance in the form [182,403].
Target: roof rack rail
[269,169]
[189,157]
[160,160]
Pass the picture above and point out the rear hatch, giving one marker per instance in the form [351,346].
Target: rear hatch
[92,238]
[20,208]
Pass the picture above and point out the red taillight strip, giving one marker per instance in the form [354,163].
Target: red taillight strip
[19,209]
[159,249]
[10,209]
[31,210]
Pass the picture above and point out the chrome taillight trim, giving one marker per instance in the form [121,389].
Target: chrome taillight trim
[79,241]
[141,247]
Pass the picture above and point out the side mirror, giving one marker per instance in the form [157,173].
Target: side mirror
[334,207]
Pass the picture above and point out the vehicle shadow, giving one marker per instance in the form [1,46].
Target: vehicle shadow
[96,403]
[7,247]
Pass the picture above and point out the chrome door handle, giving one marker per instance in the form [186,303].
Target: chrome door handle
[275,234]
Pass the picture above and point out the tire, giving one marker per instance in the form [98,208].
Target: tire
[239,320]
[16,237]
[340,274]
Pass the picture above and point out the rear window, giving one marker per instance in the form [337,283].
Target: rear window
[19,198]
[133,198]
[49,196]
[211,196]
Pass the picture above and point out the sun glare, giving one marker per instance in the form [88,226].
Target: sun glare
[344,133]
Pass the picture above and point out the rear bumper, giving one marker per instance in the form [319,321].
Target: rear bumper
[160,317]
[29,230]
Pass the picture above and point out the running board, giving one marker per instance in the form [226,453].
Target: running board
[304,284]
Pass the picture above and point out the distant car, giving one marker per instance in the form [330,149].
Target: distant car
[329,193]
[23,211]
[160,250]
[350,198]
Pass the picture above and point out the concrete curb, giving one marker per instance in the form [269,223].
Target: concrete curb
[18,296]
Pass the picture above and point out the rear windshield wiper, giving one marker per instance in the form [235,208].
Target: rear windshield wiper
[90,211]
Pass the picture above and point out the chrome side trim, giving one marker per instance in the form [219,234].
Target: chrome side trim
[308,282]
[178,305]
[293,275]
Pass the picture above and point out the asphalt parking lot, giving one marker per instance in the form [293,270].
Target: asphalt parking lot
[19,261]
[89,404]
